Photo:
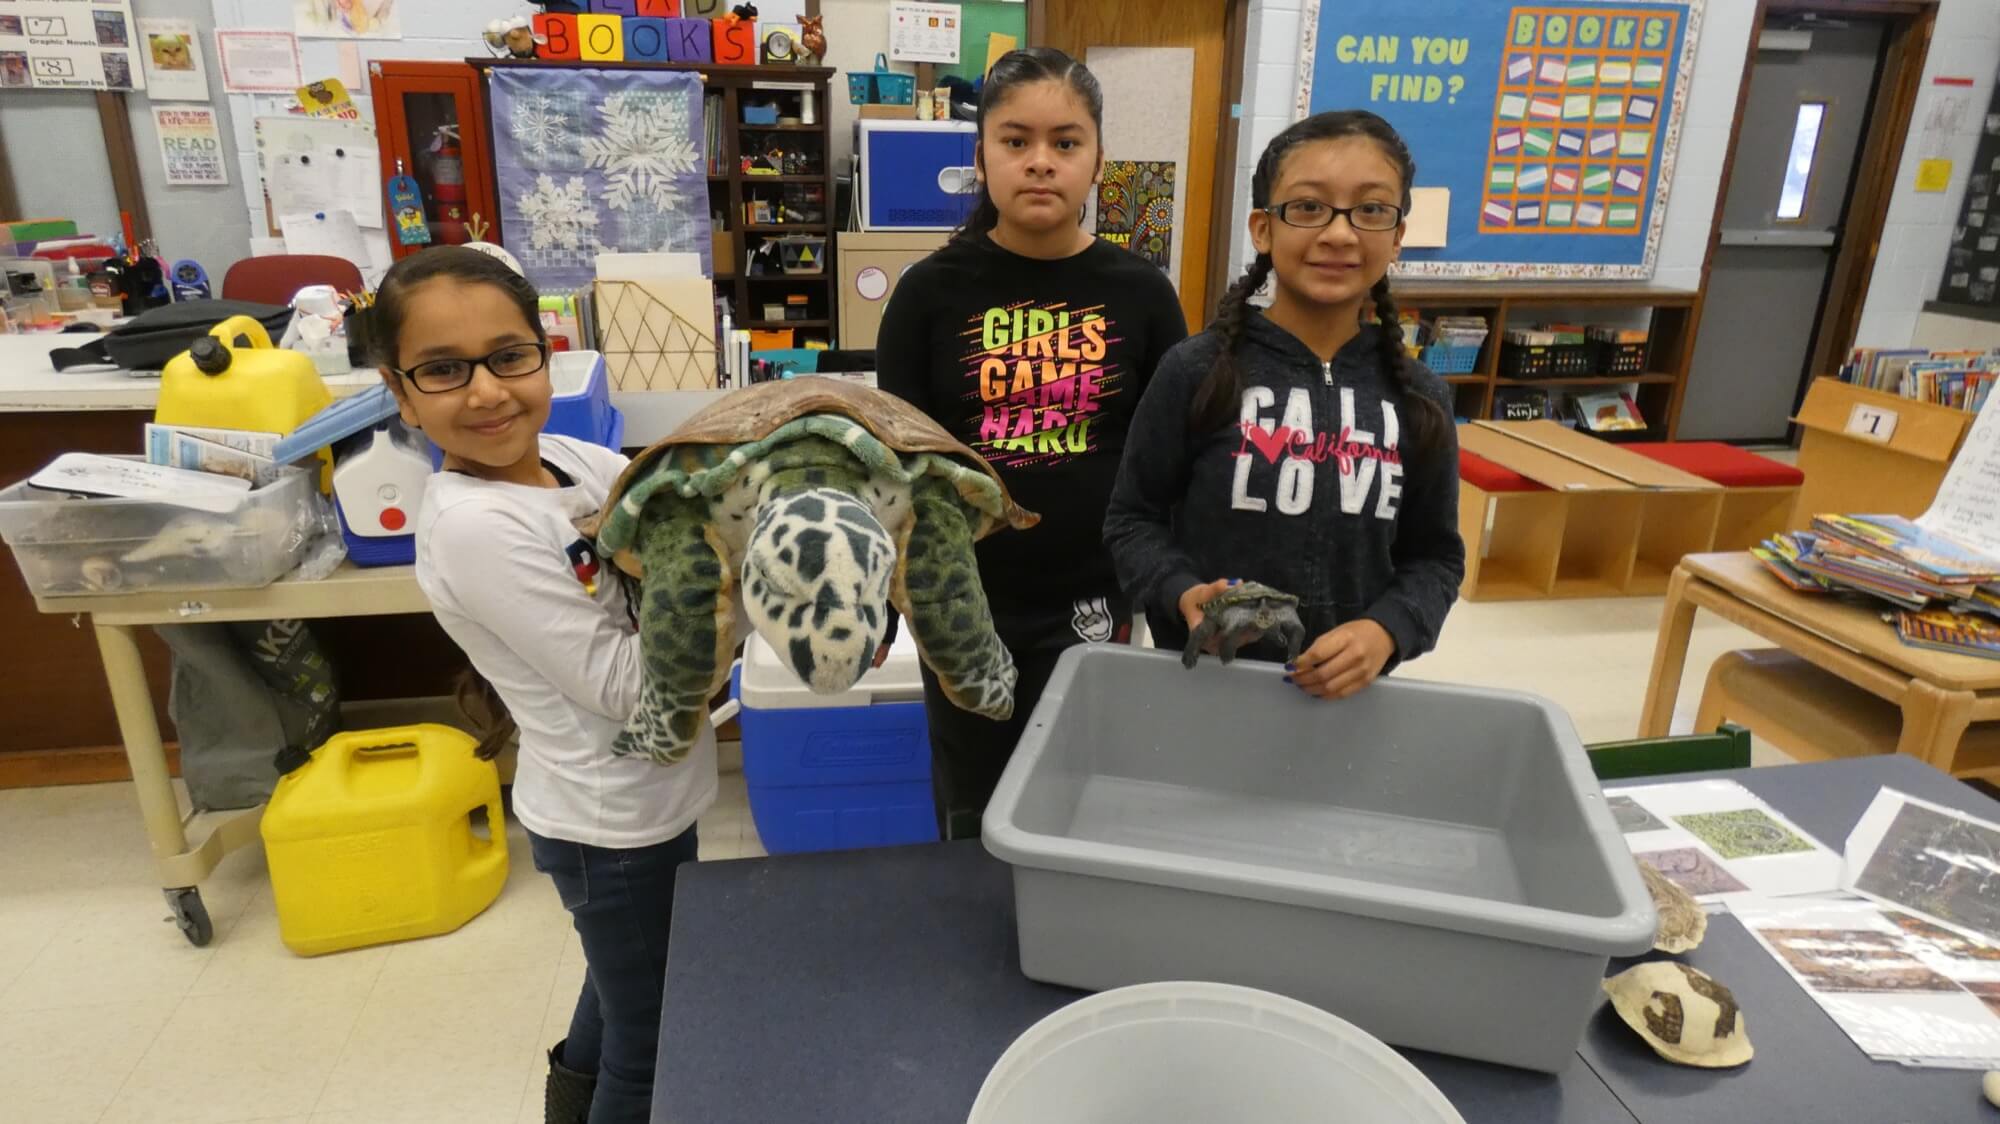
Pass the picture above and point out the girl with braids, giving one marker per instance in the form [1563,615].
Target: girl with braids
[1030,340]
[1300,446]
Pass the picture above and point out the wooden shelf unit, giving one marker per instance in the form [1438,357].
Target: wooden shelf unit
[1669,349]
[734,186]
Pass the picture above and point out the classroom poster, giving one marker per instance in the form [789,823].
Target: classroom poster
[258,62]
[923,32]
[172,57]
[68,45]
[347,19]
[1552,125]
[190,145]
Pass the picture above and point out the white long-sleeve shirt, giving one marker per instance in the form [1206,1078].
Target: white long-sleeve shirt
[522,593]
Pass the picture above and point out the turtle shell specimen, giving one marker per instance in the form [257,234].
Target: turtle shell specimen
[1683,923]
[1685,1016]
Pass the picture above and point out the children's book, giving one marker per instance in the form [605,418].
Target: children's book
[1903,542]
[1945,631]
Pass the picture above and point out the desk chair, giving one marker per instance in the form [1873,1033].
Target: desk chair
[277,279]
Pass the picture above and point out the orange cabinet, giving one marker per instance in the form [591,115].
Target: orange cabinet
[430,121]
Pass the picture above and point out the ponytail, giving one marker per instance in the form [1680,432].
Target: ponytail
[1219,398]
[481,705]
[1424,418]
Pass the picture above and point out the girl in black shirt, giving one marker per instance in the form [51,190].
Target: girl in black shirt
[1030,340]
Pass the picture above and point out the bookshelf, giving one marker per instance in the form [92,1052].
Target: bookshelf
[729,90]
[1668,314]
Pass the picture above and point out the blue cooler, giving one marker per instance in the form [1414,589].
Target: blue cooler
[916,175]
[836,772]
[582,405]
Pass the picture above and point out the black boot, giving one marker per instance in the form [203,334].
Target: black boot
[566,1100]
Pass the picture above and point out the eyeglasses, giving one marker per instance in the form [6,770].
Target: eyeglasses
[1313,214]
[442,376]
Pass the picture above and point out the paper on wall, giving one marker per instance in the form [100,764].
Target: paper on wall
[258,62]
[190,145]
[1430,211]
[318,164]
[1720,843]
[1933,861]
[68,45]
[347,19]
[171,51]
[923,32]
[333,233]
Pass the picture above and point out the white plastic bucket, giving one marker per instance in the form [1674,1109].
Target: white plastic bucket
[1166,1053]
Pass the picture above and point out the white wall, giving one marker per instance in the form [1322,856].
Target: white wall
[1271,80]
[1967,42]
[1914,240]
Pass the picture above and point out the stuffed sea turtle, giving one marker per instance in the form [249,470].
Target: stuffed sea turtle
[1244,614]
[824,502]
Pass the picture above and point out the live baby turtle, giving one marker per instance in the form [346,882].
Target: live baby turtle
[1244,614]
[1683,1014]
[822,499]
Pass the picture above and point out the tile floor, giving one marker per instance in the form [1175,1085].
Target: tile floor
[107,1014]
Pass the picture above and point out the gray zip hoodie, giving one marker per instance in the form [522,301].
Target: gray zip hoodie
[1310,492]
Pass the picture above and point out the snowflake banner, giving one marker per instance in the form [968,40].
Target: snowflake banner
[592,161]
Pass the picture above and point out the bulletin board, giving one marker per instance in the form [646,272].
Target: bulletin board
[978,20]
[1551,126]
[1972,264]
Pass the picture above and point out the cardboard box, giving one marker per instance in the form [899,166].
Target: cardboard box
[723,253]
[1866,451]
[887,112]
[870,265]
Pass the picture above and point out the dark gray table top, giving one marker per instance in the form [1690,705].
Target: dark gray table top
[1806,1068]
[880,986]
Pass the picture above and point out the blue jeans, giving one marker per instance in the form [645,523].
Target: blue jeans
[622,904]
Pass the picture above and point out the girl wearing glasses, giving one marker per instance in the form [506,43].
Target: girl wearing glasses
[1030,340]
[1300,445]
[554,638]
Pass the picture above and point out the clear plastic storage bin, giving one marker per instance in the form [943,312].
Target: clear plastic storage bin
[1434,864]
[68,545]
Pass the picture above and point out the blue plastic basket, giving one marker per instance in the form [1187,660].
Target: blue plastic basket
[1451,359]
[881,86]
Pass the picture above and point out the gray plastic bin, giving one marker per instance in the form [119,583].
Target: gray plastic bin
[1434,864]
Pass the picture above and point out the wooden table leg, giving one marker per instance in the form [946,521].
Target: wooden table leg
[1934,720]
[132,701]
[1663,686]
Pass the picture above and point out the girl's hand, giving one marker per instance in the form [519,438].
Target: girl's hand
[1343,661]
[1197,596]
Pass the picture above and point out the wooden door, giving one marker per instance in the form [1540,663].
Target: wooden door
[1075,26]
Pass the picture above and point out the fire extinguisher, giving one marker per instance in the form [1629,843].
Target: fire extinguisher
[448,180]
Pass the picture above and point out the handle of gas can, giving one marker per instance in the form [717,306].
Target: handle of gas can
[495,851]
[244,326]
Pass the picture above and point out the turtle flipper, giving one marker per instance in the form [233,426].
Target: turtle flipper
[1295,638]
[1198,639]
[938,578]
[684,630]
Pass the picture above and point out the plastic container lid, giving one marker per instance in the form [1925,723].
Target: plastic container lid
[1167,1053]
[769,683]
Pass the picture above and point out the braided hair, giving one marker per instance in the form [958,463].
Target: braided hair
[1218,399]
[1010,72]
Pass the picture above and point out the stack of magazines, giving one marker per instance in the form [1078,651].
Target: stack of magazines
[1946,596]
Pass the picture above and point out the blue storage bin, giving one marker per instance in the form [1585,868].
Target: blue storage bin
[916,175]
[881,86]
[829,773]
[1451,359]
[582,405]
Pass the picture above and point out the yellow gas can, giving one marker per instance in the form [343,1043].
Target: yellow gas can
[233,378]
[374,839]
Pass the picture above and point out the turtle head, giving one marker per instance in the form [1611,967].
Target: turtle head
[816,575]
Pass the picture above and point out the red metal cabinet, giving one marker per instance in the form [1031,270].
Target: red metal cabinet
[431,118]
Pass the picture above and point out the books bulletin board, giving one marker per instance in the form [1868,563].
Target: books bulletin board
[1550,128]
[1972,264]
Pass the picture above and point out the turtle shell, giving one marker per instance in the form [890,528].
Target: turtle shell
[702,445]
[1683,922]
[1683,1014]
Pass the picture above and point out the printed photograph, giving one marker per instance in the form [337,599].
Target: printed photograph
[170,52]
[1852,960]
[111,29]
[1631,817]
[1988,993]
[10,25]
[14,69]
[1921,934]
[117,69]
[1693,871]
[1940,866]
[1743,834]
